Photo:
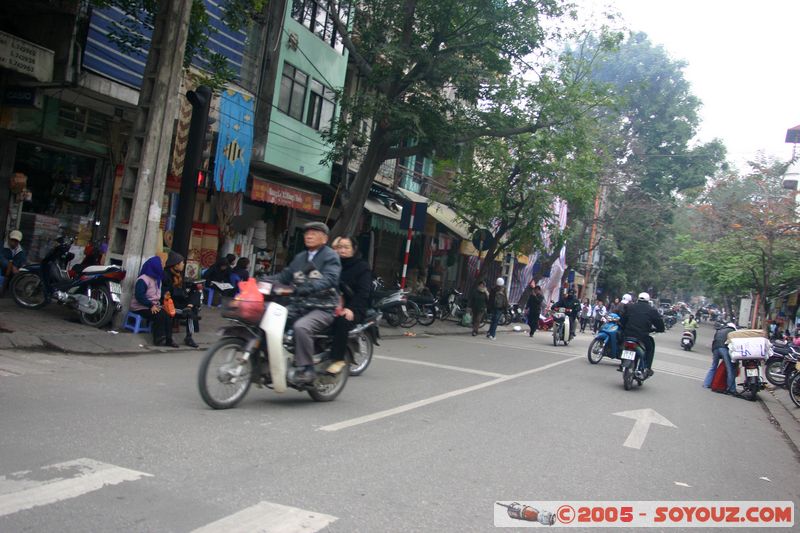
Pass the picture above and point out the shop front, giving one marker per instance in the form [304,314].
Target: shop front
[56,192]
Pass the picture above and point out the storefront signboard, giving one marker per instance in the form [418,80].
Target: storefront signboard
[266,191]
[25,57]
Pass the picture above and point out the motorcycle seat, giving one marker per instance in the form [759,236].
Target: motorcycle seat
[97,269]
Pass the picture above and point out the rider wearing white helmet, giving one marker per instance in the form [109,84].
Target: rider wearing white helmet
[639,320]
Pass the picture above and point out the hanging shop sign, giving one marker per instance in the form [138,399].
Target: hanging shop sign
[25,57]
[266,191]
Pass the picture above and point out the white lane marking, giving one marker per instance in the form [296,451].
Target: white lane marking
[71,479]
[644,418]
[428,401]
[267,517]
[437,365]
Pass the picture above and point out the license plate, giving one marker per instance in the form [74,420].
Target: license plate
[797,365]
[115,287]
[751,372]
[628,354]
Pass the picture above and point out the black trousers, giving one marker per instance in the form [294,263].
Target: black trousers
[341,329]
[160,324]
[533,320]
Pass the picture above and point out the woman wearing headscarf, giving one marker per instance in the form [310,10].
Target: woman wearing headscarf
[355,283]
[187,301]
[146,302]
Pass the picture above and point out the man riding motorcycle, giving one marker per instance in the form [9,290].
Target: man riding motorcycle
[314,275]
[639,320]
[690,324]
[573,307]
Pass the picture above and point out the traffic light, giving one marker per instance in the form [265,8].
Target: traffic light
[198,139]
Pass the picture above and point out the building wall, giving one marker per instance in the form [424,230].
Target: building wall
[292,145]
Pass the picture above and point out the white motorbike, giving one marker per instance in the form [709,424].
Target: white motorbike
[560,326]
[258,349]
[687,340]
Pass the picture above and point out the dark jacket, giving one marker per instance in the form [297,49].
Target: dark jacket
[720,337]
[316,282]
[498,300]
[478,300]
[219,272]
[572,304]
[355,283]
[640,319]
[534,305]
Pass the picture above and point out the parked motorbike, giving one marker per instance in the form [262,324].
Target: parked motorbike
[794,385]
[632,356]
[257,348]
[781,365]
[606,342]
[393,304]
[669,321]
[687,340]
[94,291]
[560,326]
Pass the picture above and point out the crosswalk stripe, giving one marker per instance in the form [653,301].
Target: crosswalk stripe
[70,479]
[267,517]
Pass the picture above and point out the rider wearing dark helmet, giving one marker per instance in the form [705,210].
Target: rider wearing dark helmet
[639,320]
[573,306]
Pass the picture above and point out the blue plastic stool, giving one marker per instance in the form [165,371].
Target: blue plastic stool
[136,323]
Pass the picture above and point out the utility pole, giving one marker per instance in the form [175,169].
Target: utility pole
[149,145]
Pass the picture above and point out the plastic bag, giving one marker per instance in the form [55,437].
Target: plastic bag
[466,320]
[169,305]
[248,305]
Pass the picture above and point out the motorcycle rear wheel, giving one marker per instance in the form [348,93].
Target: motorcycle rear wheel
[327,387]
[596,350]
[360,361]
[106,311]
[627,377]
[27,290]
[392,317]
[555,336]
[411,315]
[223,385]
[794,389]
[427,315]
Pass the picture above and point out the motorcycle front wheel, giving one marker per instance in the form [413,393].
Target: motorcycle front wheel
[794,389]
[596,350]
[774,373]
[105,311]
[362,356]
[328,386]
[224,376]
[27,290]
[427,314]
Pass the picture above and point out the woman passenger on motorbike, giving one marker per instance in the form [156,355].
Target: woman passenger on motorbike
[187,301]
[355,283]
[146,302]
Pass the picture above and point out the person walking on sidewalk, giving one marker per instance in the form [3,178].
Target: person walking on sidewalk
[586,314]
[146,302]
[534,306]
[478,300]
[498,303]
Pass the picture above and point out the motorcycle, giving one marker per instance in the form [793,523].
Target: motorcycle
[364,337]
[749,348]
[794,385]
[781,366]
[561,326]
[632,356]
[257,348]
[687,340]
[94,290]
[669,321]
[605,343]
[393,304]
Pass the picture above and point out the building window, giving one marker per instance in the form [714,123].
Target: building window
[313,14]
[293,91]
[320,106]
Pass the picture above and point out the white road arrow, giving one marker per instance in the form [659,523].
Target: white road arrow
[643,417]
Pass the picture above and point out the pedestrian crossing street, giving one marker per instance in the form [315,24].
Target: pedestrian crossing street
[31,489]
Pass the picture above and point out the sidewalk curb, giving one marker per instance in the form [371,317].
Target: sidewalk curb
[783,420]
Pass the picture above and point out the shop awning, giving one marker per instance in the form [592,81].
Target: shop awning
[440,212]
[377,208]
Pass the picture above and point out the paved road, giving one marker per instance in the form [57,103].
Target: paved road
[435,432]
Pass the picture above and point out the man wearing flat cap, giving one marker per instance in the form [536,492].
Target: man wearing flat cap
[314,275]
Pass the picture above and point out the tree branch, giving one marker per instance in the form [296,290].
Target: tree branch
[361,63]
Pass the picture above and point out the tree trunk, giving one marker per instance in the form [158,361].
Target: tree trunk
[359,190]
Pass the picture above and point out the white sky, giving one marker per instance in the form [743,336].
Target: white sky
[743,63]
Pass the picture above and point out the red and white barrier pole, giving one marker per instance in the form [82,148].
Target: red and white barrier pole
[408,244]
